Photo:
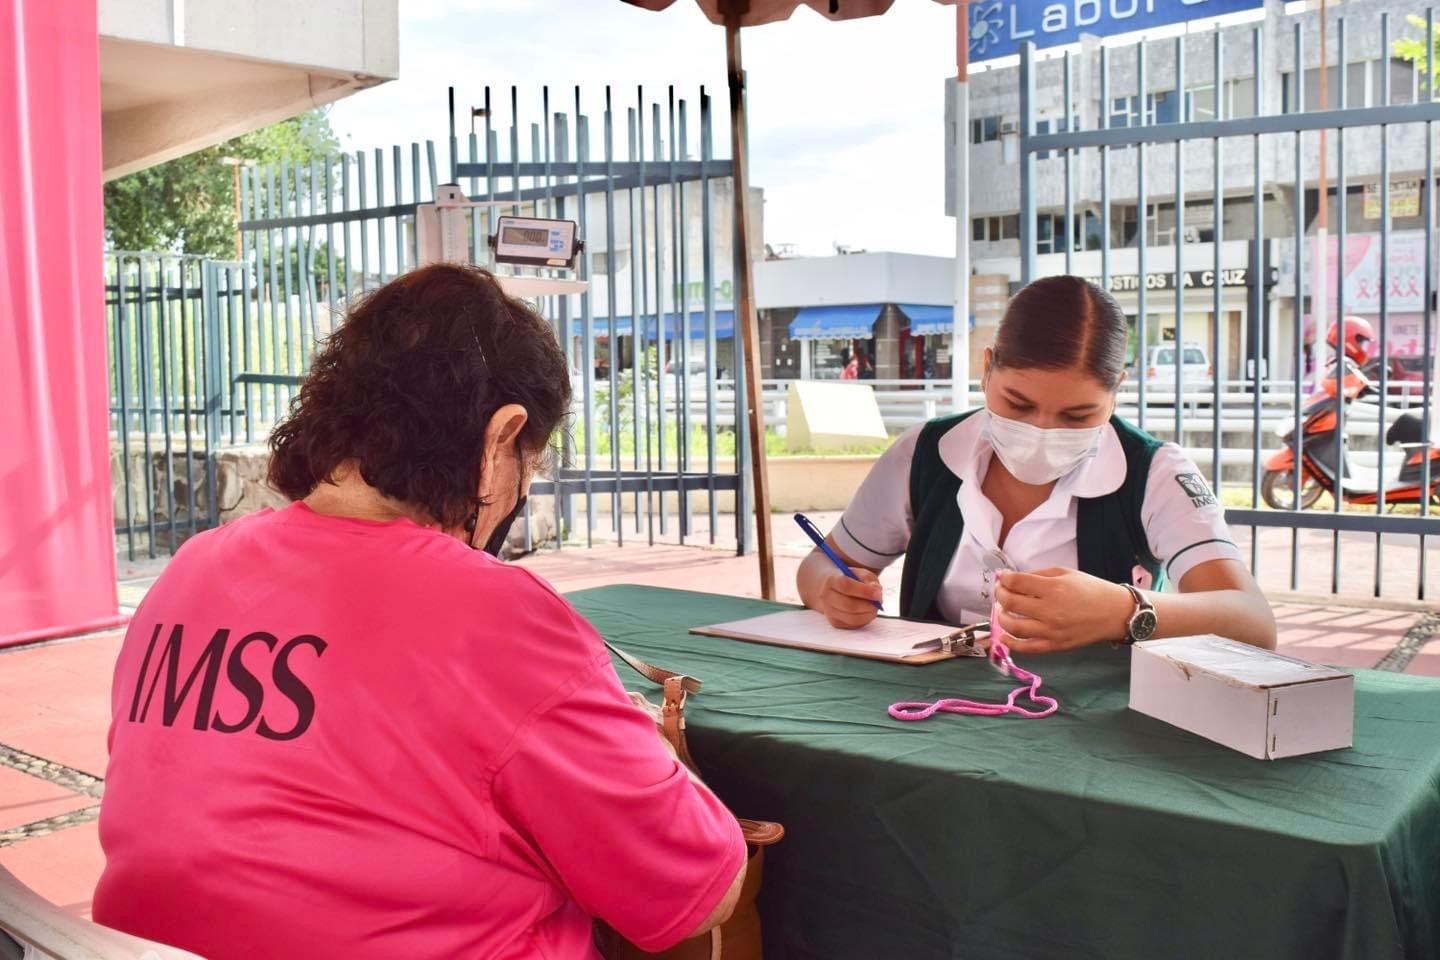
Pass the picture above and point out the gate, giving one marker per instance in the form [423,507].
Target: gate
[645,342]
[1186,157]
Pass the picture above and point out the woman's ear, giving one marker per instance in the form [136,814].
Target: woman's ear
[501,432]
[505,426]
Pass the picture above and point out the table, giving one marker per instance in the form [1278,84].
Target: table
[1098,832]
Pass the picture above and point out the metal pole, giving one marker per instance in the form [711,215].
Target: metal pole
[235,168]
[960,326]
[745,303]
[1319,295]
[1027,162]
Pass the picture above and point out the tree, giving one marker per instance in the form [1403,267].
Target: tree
[187,205]
[1417,51]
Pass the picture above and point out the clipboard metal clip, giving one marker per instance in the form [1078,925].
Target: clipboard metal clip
[965,642]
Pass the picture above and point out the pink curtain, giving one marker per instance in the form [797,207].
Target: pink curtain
[57,544]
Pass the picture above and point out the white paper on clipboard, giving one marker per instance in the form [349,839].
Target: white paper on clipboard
[884,638]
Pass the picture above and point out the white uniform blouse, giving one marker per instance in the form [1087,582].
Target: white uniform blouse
[1184,524]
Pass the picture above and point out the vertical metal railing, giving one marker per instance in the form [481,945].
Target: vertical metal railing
[1370,516]
[208,354]
[164,412]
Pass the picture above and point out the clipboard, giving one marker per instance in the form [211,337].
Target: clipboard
[886,638]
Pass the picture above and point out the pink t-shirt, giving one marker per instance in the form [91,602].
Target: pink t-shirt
[336,738]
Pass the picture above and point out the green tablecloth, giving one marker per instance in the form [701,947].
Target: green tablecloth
[1097,832]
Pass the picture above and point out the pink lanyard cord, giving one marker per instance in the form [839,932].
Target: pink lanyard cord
[1000,659]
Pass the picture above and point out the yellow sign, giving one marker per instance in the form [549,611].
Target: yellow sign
[1404,199]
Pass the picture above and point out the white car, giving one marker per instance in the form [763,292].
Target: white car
[1159,371]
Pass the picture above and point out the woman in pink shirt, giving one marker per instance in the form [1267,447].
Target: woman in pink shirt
[345,729]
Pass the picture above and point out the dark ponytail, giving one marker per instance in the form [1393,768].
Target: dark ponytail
[1060,323]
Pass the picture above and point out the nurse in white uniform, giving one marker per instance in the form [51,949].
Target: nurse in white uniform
[1086,516]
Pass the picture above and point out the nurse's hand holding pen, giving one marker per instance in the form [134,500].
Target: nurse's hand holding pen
[847,603]
[847,594]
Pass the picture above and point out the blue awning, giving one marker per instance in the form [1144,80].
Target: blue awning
[927,320]
[840,322]
[625,326]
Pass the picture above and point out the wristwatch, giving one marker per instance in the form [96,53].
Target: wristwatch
[1143,622]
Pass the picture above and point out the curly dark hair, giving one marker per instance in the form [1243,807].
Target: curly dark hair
[408,383]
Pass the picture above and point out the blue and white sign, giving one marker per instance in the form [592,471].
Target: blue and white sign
[999,27]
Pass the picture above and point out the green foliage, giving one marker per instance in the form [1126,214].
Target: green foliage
[1416,50]
[187,205]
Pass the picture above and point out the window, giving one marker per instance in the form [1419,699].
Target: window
[1124,226]
[1237,99]
[1122,111]
[1200,103]
[1403,77]
[1094,240]
[1161,108]
[994,229]
[1054,126]
[1241,97]
[1050,232]
[984,129]
[600,262]
[1364,85]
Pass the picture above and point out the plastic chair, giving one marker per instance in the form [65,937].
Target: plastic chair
[28,918]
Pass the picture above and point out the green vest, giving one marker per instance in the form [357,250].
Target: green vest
[1110,536]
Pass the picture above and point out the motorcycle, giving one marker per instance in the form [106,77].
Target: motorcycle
[1358,484]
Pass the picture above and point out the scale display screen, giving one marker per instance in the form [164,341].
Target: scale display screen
[526,236]
[536,241]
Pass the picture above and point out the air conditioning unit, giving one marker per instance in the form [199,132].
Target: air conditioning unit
[1011,127]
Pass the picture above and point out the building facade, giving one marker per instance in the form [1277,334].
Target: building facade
[1249,85]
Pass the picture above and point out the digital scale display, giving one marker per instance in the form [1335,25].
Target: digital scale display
[526,236]
[536,241]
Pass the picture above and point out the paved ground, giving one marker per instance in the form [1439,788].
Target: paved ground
[54,698]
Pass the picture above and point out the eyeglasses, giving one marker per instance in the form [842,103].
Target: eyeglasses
[992,564]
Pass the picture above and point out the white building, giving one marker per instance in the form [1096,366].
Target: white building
[995,178]
[180,75]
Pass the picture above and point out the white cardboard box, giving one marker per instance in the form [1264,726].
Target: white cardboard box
[1251,700]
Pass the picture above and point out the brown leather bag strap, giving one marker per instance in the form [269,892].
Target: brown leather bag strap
[673,715]
[656,675]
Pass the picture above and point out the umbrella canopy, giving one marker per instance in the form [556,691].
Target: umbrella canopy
[759,12]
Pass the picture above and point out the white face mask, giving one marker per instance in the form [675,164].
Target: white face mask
[1037,456]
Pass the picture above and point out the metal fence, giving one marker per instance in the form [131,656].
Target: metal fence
[207,355]
[168,320]
[1351,533]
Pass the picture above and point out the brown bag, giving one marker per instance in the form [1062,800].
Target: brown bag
[739,937]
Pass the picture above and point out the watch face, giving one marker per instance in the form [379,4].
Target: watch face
[1143,624]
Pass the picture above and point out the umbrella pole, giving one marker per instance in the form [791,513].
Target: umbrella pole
[745,312]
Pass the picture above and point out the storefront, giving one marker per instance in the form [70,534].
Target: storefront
[1198,321]
[882,316]
[669,344]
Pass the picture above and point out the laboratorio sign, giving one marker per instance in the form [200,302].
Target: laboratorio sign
[1236,277]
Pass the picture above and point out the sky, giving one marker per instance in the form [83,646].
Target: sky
[846,119]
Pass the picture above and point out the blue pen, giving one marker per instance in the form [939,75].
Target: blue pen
[813,533]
